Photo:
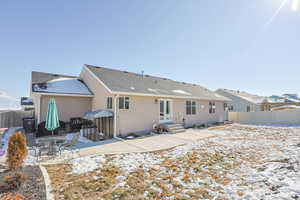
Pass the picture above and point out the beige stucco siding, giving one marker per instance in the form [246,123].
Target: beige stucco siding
[202,112]
[100,92]
[144,113]
[36,102]
[67,107]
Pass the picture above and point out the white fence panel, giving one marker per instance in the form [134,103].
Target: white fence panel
[272,117]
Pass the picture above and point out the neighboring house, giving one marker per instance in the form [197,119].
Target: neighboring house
[246,102]
[286,107]
[138,101]
[72,96]
[27,104]
[277,101]
[293,96]
[242,101]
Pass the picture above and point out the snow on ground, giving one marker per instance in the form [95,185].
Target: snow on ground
[130,162]
[86,164]
[248,162]
[277,175]
[241,162]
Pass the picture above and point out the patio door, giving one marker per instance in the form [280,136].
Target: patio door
[165,110]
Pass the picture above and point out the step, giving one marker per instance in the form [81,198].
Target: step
[175,127]
[178,131]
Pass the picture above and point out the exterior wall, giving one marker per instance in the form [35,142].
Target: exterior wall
[67,107]
[202,112]
[36,101]
[144,113]
[100,92]
[239,104]
[272,117]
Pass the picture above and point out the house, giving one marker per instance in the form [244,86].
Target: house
[27,104]
[286,107]
[245,102]
[73,98]
[293,96]
[138,101]
[242,101]
[278,101]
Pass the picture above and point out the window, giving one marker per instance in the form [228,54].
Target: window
[212,107]
[248,108]
[124,103]
[230,108]
[191,107]
[225,107]
[109,103]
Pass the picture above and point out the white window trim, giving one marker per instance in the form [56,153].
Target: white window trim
[212,106]
[112,102]
[129,99]
[171,110]
[191,107]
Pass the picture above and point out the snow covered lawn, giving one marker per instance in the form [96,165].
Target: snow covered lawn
[249,162]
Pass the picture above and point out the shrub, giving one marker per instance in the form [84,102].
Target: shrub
[12,197]
[14,180]
[17,151]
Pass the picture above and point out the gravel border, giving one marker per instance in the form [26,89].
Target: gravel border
[34,186]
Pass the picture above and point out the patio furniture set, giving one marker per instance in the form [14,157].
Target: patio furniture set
[54,145]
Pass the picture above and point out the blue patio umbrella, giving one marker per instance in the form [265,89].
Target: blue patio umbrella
[52,121]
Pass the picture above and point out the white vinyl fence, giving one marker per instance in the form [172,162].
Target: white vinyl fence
[13,118]
[285,117]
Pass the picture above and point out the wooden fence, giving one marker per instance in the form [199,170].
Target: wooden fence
[13,118]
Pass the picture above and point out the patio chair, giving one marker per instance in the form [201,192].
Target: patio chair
[69,144]
[38,148]
[42,131]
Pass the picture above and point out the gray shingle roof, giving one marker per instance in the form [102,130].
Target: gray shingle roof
[127,82]
[42,77]
[256,99]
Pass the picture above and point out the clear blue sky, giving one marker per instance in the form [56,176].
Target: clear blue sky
[214,43]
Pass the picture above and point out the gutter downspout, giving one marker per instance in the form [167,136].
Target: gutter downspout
[115,116]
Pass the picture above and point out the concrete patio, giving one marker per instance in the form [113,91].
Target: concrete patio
[148,144]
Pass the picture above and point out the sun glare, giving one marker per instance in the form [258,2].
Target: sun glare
[295,5]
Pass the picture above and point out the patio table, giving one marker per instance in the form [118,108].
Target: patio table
[50,144]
